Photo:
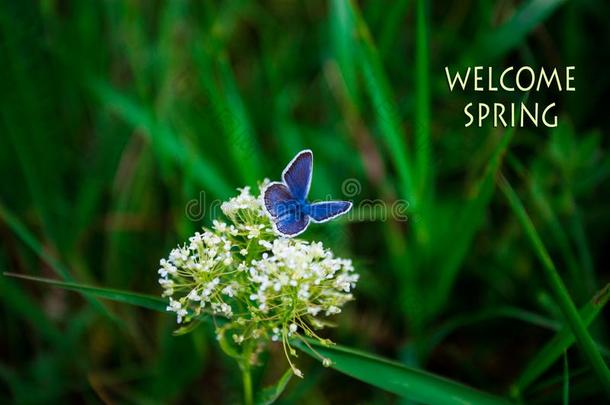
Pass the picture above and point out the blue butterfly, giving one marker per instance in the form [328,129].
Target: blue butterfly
[286,201]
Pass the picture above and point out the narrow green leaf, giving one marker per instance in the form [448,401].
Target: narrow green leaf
[391,26]
[18,301]
[390,128]
[412,383]
[30,241]
[343,43]
[513,32]
[230,112]
[168,146]
[422,101]
[126,297]
[566,379]
[545,208]
[238,125]
[188,328]
[573,319]
[384,106]
[270,394]
[507,312]
[27,121]
[469,222]
[559,343]
[577,230]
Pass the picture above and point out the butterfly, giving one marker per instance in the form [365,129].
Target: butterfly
[286,201]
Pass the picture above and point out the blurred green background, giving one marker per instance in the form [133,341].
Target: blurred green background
[116,115]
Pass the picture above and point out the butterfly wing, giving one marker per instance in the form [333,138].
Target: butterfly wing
[297,174]
[292,224]
[276,197]
[284,210]
[327,210]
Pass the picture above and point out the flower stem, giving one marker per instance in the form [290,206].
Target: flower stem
[247,381]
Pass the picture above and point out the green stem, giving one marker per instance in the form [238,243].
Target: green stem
[247,381]
[567,307]
[243,360]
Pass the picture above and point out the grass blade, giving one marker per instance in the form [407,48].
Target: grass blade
[342,26]
[390,376]
[270,394]
[513,32]
[384,106]
[561,238]
[230,113]
[30,241]
[559,344]
[168,146]
[239,127]
[19,302]
[390,30]
[469,222]
[584,339]
[126,297]
[566,380]
[22,232]
[504,312]
[388,122]
[422,100]
[394,377]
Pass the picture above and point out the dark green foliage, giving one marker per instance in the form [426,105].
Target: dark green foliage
[122,124]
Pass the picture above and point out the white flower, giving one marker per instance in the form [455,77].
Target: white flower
[266,244]
[242,265]
[176,306]
[226,310]
[220,226]
[193,296]
[313,310]
[332,310]
[228,290]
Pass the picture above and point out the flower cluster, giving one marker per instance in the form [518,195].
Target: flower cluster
[261,287]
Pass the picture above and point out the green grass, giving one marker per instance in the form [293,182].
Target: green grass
[566,305]
[116,117]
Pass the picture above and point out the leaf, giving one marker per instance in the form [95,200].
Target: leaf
[230,112]
[422,100]
[469,222]
[384,106]
[188,328]
[407,382]
[168,146]
[30,240]
[551,352]
[20,303]
[513,32]
[126,297]
[390,376]
[270,394]
[344,45]
[566,380]
[564,301]
[390,32]
[507,312]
